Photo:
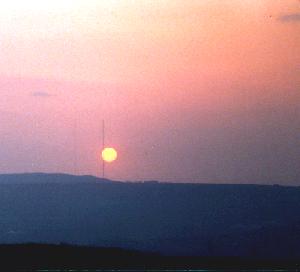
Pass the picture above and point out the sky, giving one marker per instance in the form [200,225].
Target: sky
[191,91]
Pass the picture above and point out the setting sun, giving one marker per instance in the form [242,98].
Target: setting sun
[109,154]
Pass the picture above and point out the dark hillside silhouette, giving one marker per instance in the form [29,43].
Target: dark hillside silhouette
[254,221]
[42,256]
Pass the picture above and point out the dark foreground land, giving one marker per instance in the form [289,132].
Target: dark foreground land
[42,256]
[257,224]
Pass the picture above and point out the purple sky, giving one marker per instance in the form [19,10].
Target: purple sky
[191,91]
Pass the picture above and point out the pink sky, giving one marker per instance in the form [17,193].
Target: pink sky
[200,91]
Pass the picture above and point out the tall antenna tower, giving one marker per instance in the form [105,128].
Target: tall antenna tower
[103,146]
[75,145]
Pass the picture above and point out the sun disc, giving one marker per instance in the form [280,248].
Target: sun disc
[109,154]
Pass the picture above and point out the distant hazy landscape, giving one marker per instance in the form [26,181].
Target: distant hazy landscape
[171,219]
